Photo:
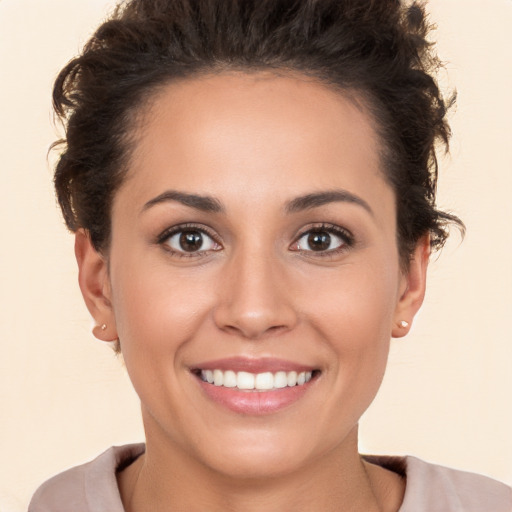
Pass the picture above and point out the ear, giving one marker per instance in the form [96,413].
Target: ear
[412,289]
[94,283]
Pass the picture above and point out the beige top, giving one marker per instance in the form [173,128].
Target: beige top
[92,487]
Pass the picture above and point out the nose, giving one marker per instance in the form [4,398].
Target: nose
[254,298]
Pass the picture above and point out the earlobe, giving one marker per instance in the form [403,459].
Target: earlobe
[412,290]
[94,283]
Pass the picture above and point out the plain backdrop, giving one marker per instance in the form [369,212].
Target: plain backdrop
[64,397]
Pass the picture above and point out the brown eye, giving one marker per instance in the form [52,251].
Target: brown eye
[319,241]
[322,240]
[191,241]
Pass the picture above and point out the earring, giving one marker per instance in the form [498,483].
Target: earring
[103,327]
[404,324]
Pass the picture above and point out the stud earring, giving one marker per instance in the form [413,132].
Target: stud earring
[103,327]
[404,324]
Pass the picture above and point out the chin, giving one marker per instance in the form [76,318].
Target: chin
[258,462]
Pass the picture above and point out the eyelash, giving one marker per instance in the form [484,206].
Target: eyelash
[331,229]
[168,233]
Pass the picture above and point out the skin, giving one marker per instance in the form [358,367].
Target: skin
[254,143]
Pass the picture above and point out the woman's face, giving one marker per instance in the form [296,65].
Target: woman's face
[254,242]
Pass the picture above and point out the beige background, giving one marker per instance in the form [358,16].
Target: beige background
[64,397]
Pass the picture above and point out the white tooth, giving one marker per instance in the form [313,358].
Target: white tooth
[261,381]
[245,380]
[292,378]
[280,380]
[229,379]
[264,381]
[218,377]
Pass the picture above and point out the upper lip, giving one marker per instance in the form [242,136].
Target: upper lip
[254,365]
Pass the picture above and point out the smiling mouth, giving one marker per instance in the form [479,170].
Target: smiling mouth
[246,381]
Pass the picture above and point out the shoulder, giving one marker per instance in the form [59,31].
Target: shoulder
[450,489]
[89,487]
[434,488]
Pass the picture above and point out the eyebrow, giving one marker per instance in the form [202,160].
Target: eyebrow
[212,205]
[317,199]
[203,203]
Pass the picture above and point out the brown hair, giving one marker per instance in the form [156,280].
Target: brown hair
[377,48]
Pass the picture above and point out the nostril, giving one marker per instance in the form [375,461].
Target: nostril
[253,331]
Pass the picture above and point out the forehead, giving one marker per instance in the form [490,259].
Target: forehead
[253,133]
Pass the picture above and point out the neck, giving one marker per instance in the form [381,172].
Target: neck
[166,478]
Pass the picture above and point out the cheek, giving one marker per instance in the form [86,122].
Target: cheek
[159,312]
[157,309]
[352,314]
[355,304]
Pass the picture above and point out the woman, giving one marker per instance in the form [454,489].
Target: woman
[252,188]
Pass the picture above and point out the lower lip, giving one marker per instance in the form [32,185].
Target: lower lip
[254,402]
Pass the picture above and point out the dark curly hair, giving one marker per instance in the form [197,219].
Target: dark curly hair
[377,48]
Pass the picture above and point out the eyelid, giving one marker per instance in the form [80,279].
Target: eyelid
[340,232]
[173,230]
[166,233]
